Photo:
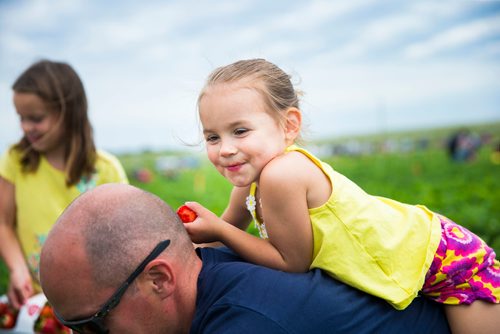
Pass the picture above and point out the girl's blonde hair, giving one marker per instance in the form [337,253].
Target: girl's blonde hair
[273,84]
[59,86]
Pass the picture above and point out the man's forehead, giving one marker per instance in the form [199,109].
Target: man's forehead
[77,299]
[65,274]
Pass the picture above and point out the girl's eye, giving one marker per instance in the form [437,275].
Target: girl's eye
[32,119]
[240,131]
[211,138]
[36,119]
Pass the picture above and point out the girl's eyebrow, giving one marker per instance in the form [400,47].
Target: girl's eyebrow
[230,125]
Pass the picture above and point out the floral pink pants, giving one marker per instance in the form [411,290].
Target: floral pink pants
[464,268]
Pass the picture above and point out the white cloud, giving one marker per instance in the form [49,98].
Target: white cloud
[350,99]
[397,27]
[455,37]
[383,31]
[358,85]
[14,43]
[440,9]
[491,50]
[143,65]
[42,14]
[311,14]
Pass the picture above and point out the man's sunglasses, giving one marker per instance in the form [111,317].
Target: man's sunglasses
[94,323]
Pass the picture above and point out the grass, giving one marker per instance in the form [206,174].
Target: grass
[465,192]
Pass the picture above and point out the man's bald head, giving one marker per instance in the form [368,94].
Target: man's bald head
[100,239]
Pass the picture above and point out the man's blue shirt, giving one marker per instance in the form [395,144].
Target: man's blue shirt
[238,297]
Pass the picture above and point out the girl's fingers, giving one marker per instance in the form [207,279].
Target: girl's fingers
[200,210]
[15,298]
[195,206]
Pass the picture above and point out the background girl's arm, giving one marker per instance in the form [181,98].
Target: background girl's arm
[20,284]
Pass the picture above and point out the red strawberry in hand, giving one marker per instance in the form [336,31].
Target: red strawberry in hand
[186,214]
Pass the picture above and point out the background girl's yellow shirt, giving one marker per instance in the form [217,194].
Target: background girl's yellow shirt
[43,195]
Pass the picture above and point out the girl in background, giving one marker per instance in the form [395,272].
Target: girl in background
[310,216]
[54,162]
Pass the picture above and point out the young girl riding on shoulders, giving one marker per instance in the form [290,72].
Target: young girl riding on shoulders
[310,216]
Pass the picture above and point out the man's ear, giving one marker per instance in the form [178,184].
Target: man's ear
[293,124]
[159,278]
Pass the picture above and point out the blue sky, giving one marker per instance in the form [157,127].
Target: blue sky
[365,66]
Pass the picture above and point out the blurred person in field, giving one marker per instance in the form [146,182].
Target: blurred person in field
[495,154]
[54,161]
[463,145]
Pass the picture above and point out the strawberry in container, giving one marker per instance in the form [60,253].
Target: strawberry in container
[47,323]
[8,316]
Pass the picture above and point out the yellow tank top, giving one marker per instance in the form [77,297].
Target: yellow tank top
[43,195]
[375,244]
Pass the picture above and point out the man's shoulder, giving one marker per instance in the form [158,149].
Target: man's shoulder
[229,298]
[224,271]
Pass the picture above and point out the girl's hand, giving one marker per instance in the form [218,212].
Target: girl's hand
[206,227]
[20,287]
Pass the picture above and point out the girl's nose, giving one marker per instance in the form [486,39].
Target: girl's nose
[27,126]
[227,148]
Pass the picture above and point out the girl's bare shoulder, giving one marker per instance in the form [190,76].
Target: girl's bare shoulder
[292,163]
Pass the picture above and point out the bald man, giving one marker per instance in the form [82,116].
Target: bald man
[119,260]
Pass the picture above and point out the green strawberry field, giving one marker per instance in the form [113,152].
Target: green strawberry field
[467,192]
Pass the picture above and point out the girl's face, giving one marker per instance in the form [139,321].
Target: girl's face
[40,126]
[241,137]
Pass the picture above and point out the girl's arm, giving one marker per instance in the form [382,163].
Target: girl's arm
[20,284]
[285,211]
[236,212]
[284,186]
[208,229]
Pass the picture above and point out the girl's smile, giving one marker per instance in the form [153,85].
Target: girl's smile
[33,138]
[234,168]
[241,136]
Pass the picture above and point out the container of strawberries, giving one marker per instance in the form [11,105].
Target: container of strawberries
[34,317]
[47,322]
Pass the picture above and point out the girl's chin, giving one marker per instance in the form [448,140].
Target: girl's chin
[39,147]
[32,139]
[240,183]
